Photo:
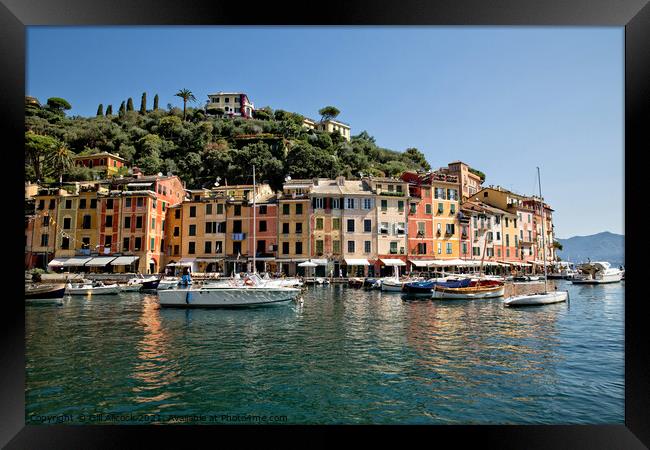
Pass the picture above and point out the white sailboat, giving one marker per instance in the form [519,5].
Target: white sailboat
[545,297]
[392,284]
[247,292]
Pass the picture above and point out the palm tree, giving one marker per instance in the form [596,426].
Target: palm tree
[186,95]
[60,159]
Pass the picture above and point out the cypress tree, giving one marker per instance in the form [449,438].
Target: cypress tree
[155,102]
[143,103]
[129,104]
[109,110]
[122,110]
[100,110]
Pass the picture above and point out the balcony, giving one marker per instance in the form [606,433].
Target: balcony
[391,193]
[238,236]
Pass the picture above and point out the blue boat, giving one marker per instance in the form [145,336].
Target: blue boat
[426,287]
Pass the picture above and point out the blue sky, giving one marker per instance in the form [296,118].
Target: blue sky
[502,99]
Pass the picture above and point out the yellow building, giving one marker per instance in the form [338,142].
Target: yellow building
[197,231]
[444,210]
[44,229]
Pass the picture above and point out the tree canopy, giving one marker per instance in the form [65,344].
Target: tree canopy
[202,147]
[329,112]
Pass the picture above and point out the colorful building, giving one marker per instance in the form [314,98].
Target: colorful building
[391,205]
[294,211]
[106,163]
[231,103]
[433,219]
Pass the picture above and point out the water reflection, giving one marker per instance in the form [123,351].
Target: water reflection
[343,356]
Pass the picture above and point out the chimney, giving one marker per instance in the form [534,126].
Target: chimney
[315,181]
[340,180]
[137,173]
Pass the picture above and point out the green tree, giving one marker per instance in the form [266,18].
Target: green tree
[122,110]
[415,155]
[186,95]
[155,102]
[143,103]
[58,105]
[557,245]
[129,104]
[109,110]
[37,147]
[329,112]
[100,110]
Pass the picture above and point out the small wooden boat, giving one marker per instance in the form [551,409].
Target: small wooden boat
[355,283]
[91,289]
[391,285]
[44,292]
[544,298]
[485,289]
[150,283]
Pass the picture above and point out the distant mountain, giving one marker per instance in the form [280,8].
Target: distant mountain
[603,246]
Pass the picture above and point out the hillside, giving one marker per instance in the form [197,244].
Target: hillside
[603,246]
[199,146]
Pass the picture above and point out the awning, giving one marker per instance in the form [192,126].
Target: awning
[124,260]
[307,264]
[57,262]
[356,262]
[319,262]
[422,262]
[77,261]
[100,261]
[209,259]
[393,262]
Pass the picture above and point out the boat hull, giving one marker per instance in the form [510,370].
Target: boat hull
[469,293]
[45,293]
[537,299]
[614,278]
[391,286]
[101,290]
[226,297]
[150,285]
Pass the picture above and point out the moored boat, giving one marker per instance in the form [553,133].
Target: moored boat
[168,283]
[355,282]
[91,289]
[599,272]
[474,291]
[249,292]
[544,298]
[44,292]
[133,285]
[150,283]
[426,287]
[392,285]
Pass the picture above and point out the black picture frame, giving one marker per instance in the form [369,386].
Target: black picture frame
[634,15]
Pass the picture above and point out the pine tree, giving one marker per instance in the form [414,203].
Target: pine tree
[100,110]
[109,110]
[143,103]
[129,104]
[122,110]
[155,102]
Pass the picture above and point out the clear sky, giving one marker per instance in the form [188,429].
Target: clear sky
[502,99]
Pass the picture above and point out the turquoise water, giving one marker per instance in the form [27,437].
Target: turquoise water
[344,356]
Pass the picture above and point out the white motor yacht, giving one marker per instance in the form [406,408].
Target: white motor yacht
[250,291]
[599,272]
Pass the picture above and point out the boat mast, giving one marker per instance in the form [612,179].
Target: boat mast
[539,179]
[254,225]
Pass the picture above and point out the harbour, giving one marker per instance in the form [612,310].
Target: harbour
[342,355]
